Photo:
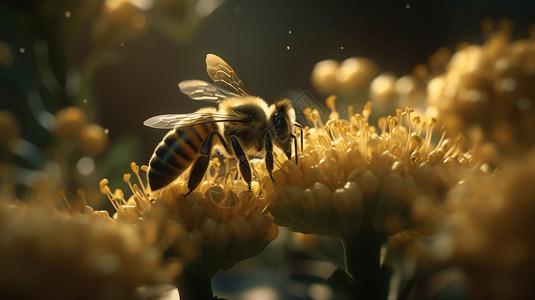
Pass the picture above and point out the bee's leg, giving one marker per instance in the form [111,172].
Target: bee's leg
[245,168]
[268,145]
[295,146]
[301,128]
[201,164]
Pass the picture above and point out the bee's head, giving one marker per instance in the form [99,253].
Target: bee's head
[281,120]
[284,107]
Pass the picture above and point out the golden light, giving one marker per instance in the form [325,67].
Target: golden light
[141,4]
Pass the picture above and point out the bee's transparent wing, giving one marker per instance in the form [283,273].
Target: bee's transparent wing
[184,120]
[224,76]
[204,91]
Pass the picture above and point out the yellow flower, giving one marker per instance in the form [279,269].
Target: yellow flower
[222,226]
[491,231]
[362,184]
[55,255]
[92,139]
[351,76]
[489,87]
[118,21]
[69,122]
[354,177]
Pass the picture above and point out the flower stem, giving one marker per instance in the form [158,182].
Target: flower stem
[362,254]
[196,286]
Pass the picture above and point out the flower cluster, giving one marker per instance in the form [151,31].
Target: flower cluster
[118,20]
[490,232]
[351,76]
[362,184]
[357,80]
[51,254]
[222,224]
[74,156]
[489,87]
[71,123]
[355,177]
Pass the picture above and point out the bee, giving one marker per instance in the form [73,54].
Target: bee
[241,126]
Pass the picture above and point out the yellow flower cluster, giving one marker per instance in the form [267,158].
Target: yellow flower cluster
[71,123]
[221,226]
[489,87]
[119,20]
[49,254]
[354,177]
[358,79]
[348,77]
[491,231]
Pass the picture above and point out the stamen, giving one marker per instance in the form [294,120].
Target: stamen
[114,202]
[382,123]
[391,124]
[458,146]
[64,198]
[442,137]
[408,111]
[314,118]
[330,102]
[429,131]
[418,122]
[367,110]
[81,194]
[137,196]
[126,178]
[135,169]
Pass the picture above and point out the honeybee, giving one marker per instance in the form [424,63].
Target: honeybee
[242,125]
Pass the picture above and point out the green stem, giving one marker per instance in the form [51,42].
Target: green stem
[362,254]
[194,287]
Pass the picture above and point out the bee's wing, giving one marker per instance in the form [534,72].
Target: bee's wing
[224,76]
[202,90]
[184,120]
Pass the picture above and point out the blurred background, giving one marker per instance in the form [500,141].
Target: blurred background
[273,45]
[78,78]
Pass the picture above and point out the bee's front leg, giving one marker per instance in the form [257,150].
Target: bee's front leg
[268,145]
[295,146]
[295,140]
[245,168]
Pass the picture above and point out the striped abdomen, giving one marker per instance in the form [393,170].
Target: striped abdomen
[176,152]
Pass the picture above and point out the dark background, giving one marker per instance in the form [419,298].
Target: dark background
[253,37]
